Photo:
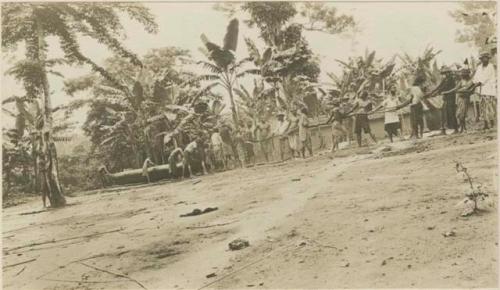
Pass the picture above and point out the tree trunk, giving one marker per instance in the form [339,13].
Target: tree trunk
[233,108]
[35,184]
[49,169]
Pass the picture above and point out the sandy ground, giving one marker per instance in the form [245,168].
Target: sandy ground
[362,218]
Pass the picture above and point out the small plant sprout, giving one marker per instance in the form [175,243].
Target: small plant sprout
[473,194]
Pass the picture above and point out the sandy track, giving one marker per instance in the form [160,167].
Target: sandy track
[365,220]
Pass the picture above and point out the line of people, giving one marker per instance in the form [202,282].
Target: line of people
[225,148]
[456,99]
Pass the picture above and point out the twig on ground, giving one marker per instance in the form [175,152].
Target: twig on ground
[62,240]
[33,212]
[20,263]
[75,261]
[210,226]
[45,248]
[116,274]
[80,281]
[22,270]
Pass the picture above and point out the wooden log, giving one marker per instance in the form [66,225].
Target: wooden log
[156,173]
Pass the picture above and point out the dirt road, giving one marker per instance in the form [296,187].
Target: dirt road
[364,218]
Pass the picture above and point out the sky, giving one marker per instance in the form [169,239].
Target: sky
[387,27]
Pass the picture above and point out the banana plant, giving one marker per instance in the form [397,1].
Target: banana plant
[224,69]
[258,103]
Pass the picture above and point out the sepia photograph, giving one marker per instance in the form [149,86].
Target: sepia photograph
[249,145]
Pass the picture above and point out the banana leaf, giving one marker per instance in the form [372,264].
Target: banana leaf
[231,37]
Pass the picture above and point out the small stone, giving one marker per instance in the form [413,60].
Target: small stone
[409,266]
[384,263]
[238,244]
[430,228]
[211,275]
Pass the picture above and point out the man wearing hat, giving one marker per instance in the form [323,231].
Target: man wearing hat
[448,110]
[485,77]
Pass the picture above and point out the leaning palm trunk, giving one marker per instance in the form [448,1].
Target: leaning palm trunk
[47,157]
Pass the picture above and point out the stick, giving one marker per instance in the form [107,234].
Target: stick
[44,248]
[116,274]
[75,261]
[20,271]
[62,240]
[33,212]
[80,281]
[209,226]
[20,263]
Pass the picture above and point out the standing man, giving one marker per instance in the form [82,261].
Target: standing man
[218,148]
[391,117]
[263,134]
[293,138]
[485,77]
[338,130]
[304,133]
[281,132]
[248,143]
[448,110]
[416,97]
[228,145]
[361,108]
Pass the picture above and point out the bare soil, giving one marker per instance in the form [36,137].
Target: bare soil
[361,218]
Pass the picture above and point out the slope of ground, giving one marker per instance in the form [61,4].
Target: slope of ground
[364,218]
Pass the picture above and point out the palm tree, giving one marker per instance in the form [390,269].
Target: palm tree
[222,64]
[32,23]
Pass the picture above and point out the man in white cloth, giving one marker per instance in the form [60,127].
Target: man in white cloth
[391,117]
[281,131]
[485,76]
[218,147]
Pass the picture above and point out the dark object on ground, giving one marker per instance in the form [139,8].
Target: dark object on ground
[198,211]
[449,234]
[211,275]
[296,179]
[33,212]
[238,244]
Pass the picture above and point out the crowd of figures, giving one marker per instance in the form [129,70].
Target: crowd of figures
[289,136]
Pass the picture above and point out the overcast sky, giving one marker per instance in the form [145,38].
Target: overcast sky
[388,28]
